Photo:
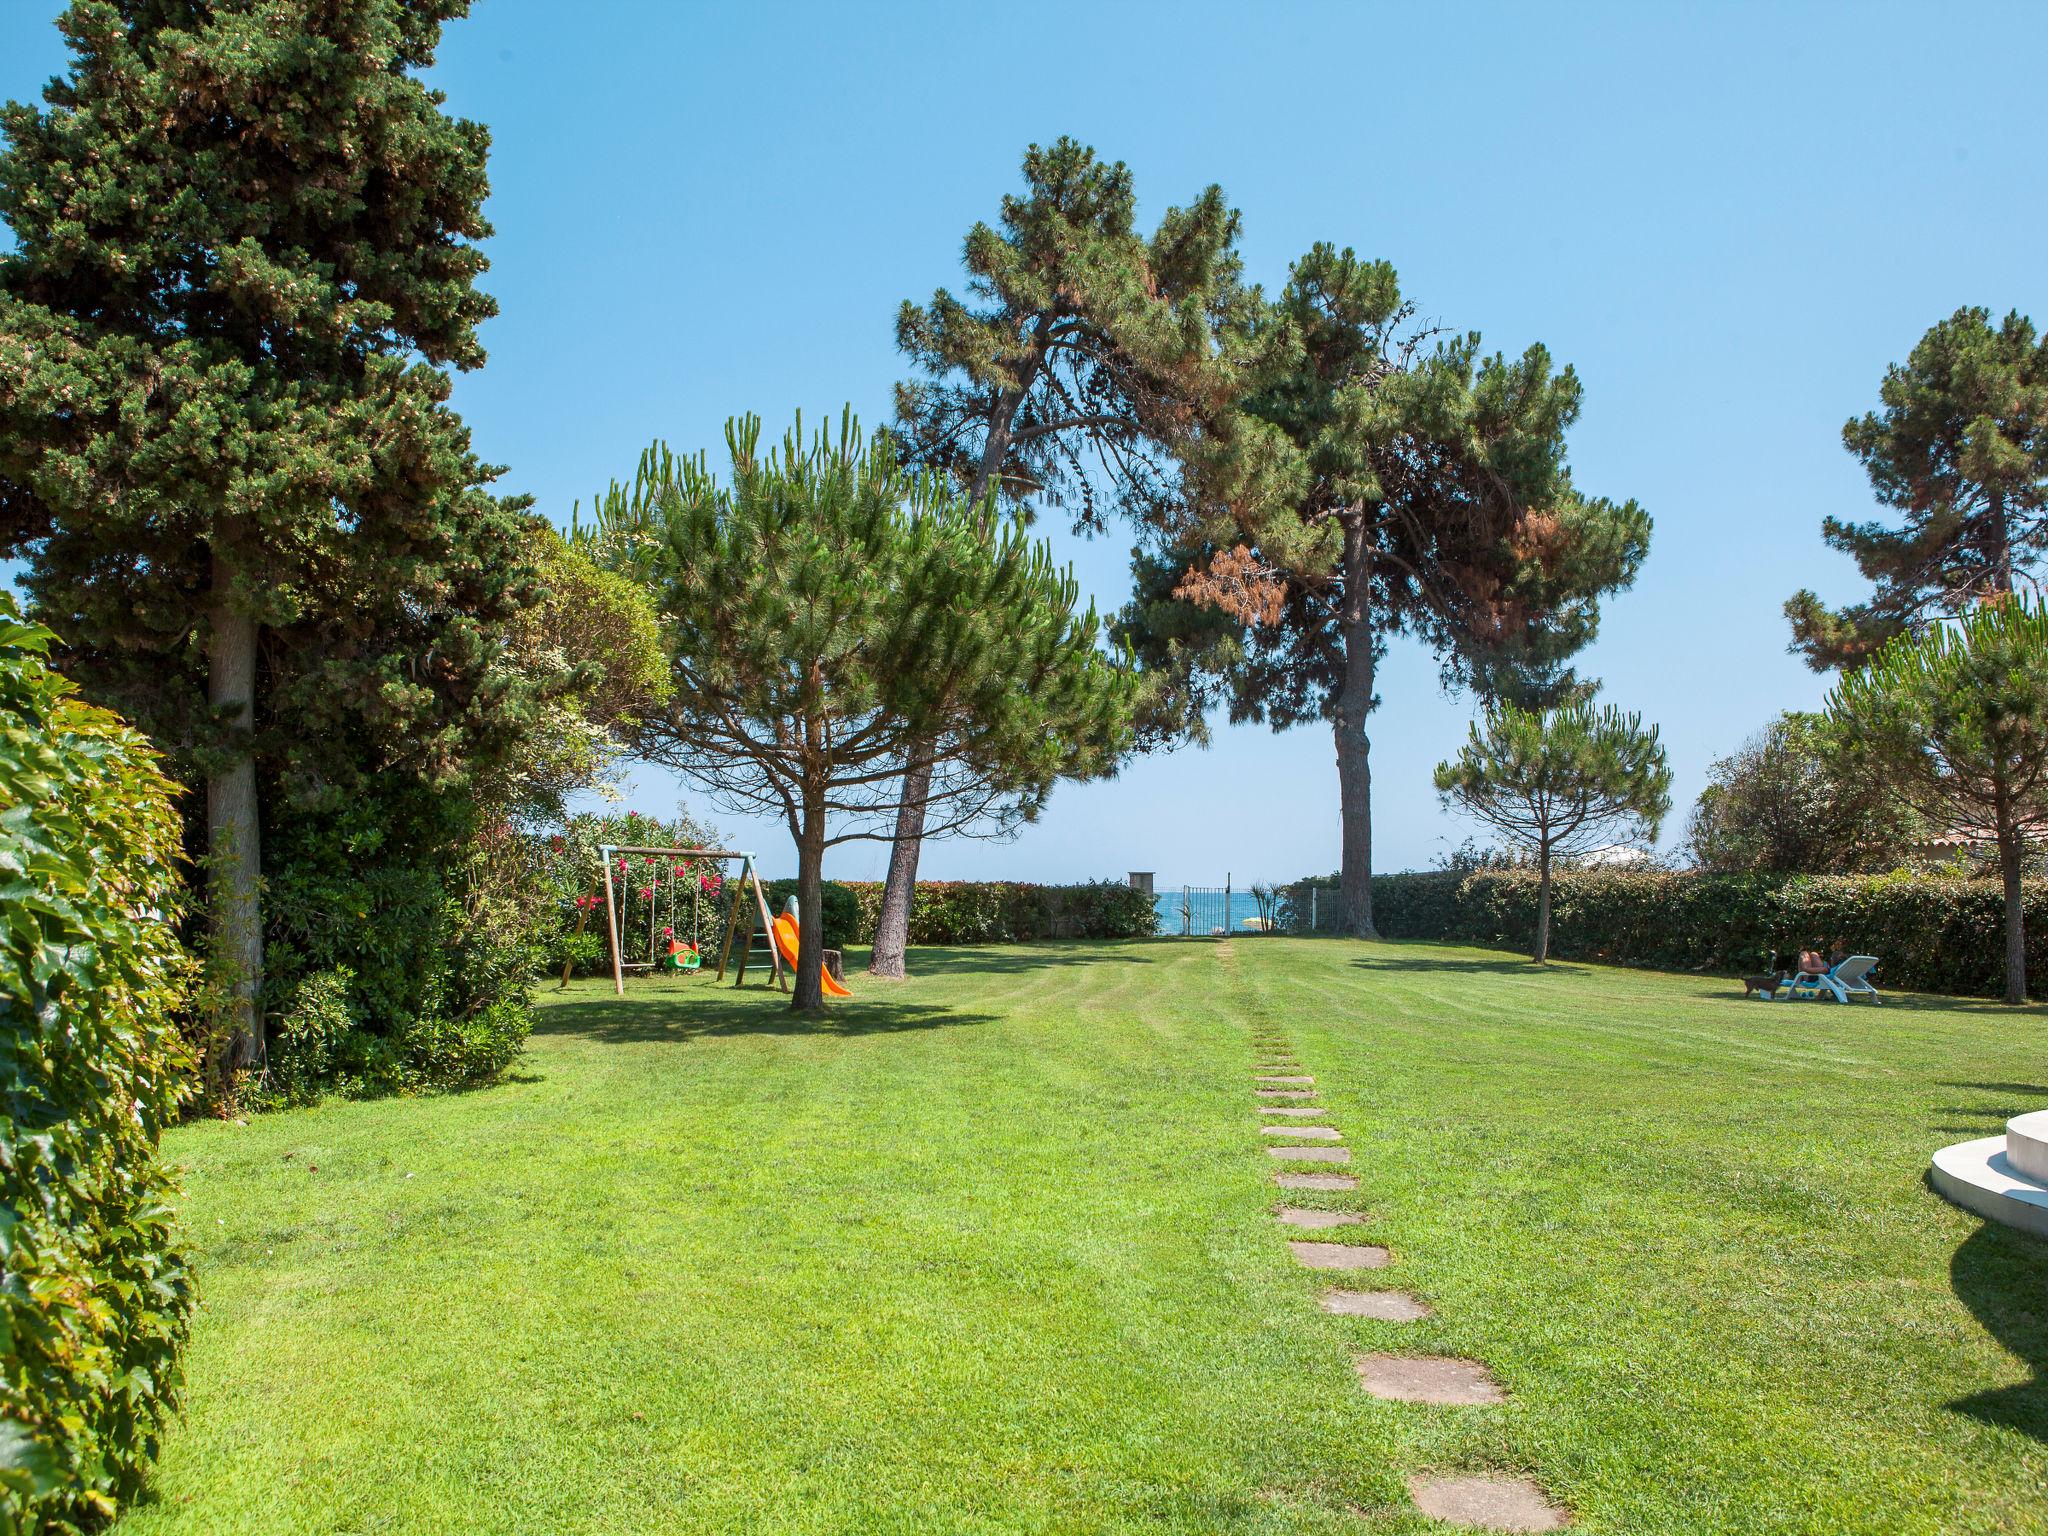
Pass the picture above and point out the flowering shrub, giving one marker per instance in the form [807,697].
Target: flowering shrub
[686,897]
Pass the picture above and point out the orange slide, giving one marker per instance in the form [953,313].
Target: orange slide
[785,940]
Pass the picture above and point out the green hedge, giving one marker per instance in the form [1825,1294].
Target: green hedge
[1009,911]
[1930,932]
[95,1295]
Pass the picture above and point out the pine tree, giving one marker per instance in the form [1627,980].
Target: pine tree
[1959,453]
[1372,477]
[826,612]
[1075,355]
[245,249]
[1957,721]
[1559,783]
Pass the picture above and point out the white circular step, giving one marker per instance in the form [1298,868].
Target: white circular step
[1980,1176]
[2026,1144]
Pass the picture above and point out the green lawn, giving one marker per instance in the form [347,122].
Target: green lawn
[993,1251]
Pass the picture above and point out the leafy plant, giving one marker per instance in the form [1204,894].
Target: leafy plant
[95,1293]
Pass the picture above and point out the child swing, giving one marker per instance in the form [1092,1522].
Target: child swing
[664,950]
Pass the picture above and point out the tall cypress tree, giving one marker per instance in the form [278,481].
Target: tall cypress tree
[1959,453]
[245,250]
[1369,478]
[1078,351]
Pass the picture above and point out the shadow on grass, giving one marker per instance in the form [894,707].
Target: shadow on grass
[709,1011]
[949,961]
[1997,1275]
[1466,964]
[2040,1089]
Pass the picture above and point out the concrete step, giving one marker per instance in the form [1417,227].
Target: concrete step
[2026,1144]
[1983,1175]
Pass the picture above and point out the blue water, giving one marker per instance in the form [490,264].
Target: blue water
[1206,910]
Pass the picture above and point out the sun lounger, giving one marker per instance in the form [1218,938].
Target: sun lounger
[1849,978]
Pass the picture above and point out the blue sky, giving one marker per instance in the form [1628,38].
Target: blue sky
[1729,219]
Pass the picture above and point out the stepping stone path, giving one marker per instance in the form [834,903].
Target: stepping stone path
[1428,1379]
[1387,1306]
[1479,1501]
[1487,1503]
[1324,1181]
[1340,1255]
[1299,1216]
[1307,1132]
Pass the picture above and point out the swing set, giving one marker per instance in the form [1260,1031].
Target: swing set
[669,867]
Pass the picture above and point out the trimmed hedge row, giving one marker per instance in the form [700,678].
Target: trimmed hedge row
[1012,911]
[1932,932]
[95,1292]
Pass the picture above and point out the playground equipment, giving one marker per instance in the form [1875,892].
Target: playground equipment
[665,869]
[786,935]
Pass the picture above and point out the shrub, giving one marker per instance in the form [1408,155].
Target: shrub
[306,1041]
[1932,931]
[437,918]
[1003,911]
[95,1295]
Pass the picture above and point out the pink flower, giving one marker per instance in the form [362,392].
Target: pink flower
[646,892]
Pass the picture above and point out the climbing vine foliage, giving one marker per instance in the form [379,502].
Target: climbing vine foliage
[95,1294]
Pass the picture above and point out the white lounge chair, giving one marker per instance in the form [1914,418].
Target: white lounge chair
[1850,978]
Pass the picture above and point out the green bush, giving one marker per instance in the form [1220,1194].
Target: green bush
[95,1294]
[1936,932]
[436,917]
[1006,911]
[306,1042]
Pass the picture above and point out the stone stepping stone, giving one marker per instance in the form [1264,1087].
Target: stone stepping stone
[1441,1379]
[1306,1132]
[1387,1306]
[1311,1154]
[1301,1216]
[1268,1077]
[1487,1503]
[1331,1182]
[1285,1093]
[1341,1255]
[1292,1109]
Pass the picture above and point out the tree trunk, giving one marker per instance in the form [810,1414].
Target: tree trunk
[232,828]
[2011,850]
[808,995]
[1541,954]
[892,922]
[1354,766]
